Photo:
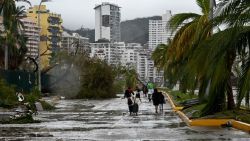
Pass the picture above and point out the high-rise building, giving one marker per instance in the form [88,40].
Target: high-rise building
[31,32]
[75,43]
[130,55]
[129,58]
[51,32]
[107,22]
[159,32]
[110,52]
[142,65]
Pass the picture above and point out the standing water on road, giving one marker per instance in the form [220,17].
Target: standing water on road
[110,120]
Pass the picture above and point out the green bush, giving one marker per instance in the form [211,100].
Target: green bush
[94,79]
[98,82]
[179,97]
[8,96]
[33,96]
[119,86]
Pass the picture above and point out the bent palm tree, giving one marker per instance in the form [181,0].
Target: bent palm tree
[220,53]
[190,32]
[235,14]
[159,55]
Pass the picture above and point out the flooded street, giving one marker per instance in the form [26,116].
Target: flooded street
[110,120]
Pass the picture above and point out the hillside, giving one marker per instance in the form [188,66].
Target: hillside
[136,30]
[84,32]
[132,31]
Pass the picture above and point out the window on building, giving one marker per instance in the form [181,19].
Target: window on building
[105,20]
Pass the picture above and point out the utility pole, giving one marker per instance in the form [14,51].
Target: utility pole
[39,54]
[6,56]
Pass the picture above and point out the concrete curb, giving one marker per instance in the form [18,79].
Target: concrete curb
[207,122]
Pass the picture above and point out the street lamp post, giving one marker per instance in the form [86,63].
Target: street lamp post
[39,54]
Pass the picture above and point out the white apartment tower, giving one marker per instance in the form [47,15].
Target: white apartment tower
[107,22]
[142,65]
[31,32]
[159,33]
[109,52]
[75,43]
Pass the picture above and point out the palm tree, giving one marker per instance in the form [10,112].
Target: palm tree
[190,32]
[131,78]
[160,61]
[159,55]
[11,21]
[218,54]
[236,15]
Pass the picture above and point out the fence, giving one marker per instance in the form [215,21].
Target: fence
[23,80]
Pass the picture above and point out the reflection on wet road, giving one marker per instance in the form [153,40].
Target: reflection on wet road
[109,120]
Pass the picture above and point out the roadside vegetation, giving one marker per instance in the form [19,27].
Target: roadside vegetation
[210,54]
[98,79]
[9,100]
[8,97]
[194,110]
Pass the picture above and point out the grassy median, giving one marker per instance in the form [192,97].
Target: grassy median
[194,111]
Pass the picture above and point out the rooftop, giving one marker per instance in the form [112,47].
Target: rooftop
[106,3]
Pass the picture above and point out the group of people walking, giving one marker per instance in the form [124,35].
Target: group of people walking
[134,97]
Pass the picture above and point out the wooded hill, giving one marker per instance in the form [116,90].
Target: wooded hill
[132,31]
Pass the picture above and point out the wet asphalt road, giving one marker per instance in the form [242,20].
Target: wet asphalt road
[110,120]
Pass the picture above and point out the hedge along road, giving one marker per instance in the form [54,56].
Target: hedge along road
[110,120]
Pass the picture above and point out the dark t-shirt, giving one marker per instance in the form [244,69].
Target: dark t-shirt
[156,97]
[127,94]
[138,95]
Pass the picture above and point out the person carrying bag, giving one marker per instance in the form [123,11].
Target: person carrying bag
[128,94]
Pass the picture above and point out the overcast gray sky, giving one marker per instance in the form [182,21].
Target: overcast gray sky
[77,13]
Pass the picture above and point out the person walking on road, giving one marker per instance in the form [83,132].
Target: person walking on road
[156,97]
[138,94]
[145,90]
[150,87]
[128,94]
[162,101]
